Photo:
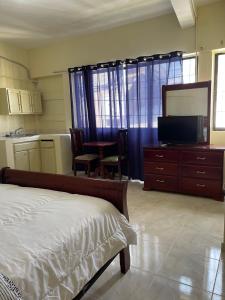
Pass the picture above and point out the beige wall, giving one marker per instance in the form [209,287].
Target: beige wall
[211,26]
[53,118]
[12,52]
[159,35]
[127,41]
[14,76]
[211,36]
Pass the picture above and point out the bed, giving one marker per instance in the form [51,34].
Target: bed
[59,233]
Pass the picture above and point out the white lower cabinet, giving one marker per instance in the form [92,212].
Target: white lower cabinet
[27,156]
[35,156]
[48,159]
[22,160]
[35,160]
[46,153]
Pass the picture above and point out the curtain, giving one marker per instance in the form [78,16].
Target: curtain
[123,94]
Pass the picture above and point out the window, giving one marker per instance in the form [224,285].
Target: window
[219,108]
[189,69]
[111,88]
[122,95]
[106,84]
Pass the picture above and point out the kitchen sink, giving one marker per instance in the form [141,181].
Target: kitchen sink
[20,135]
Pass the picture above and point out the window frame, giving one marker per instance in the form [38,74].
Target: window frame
[216,63]
[195,56]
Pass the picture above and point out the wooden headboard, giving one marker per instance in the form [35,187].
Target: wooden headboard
[112,191]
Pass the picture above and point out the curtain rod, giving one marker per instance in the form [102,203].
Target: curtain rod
[127,61]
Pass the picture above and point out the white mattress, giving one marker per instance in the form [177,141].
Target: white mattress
[52,243]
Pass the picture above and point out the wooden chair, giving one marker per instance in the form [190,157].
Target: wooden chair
[121,157]
[78,155]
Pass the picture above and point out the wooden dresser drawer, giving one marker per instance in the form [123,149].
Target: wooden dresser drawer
[202,158]
[160,168]
[201,187]
[202,171]
[196,170]
[161,155]
[160,182]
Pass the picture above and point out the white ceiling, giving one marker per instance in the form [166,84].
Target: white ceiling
[31,23]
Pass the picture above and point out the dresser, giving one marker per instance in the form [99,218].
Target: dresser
[196,170]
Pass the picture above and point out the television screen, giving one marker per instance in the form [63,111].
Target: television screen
[181,129]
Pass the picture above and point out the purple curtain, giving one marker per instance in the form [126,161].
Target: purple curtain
[123,94]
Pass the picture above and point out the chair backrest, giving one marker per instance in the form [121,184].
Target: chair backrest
[76,141]
[122,140]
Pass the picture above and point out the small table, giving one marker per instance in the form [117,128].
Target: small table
[101,145]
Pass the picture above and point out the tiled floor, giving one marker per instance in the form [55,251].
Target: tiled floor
[178,255]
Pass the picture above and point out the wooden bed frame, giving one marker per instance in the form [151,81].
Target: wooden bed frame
[113,191]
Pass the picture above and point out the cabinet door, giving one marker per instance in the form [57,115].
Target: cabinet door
[22,160]
[36,102]
[35,160]
[14,103]
[48,161]
[25,102]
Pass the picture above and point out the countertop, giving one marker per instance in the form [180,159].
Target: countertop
[34,137]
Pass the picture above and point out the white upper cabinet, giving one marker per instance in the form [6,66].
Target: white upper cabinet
[12,99]
[36,102]
[25,99]
[15,102]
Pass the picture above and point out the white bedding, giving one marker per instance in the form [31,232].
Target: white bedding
[52,243]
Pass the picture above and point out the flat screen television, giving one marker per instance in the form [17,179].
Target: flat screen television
[181,129]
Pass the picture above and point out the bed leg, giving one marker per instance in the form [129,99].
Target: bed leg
[125,260]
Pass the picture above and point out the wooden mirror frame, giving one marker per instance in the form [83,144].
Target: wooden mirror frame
[203,84]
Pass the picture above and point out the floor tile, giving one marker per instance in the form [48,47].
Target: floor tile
[164,234]
[194,243]
[153,235]
[220,279]
[165,289]
[193,270]
[115,286]
[177,254]
[206,222]
[149,256]
[217,297]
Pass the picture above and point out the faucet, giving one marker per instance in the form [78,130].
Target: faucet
[18,130]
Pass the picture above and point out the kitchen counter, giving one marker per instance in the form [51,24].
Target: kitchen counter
[35,137]
[62,150]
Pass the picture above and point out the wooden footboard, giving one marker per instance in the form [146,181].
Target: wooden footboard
[113,191]
[1,173]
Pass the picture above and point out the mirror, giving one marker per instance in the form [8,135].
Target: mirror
[188,100]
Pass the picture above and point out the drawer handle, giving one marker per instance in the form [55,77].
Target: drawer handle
[159,155]
[200,172]
[201,158]
[159,168]
[160,180]
[200,185]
